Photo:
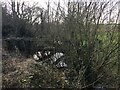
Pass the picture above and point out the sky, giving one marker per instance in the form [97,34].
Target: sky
[43,2]
[53,3]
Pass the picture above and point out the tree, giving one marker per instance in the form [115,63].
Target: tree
[85,36]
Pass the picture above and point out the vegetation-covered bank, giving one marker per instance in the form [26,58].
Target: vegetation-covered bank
[88,40]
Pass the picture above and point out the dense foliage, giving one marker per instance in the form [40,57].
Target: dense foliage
[90,46]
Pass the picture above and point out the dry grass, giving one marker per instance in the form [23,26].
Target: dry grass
[15,71]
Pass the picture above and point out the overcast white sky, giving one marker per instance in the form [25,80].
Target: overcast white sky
[63,3]
[43,2]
